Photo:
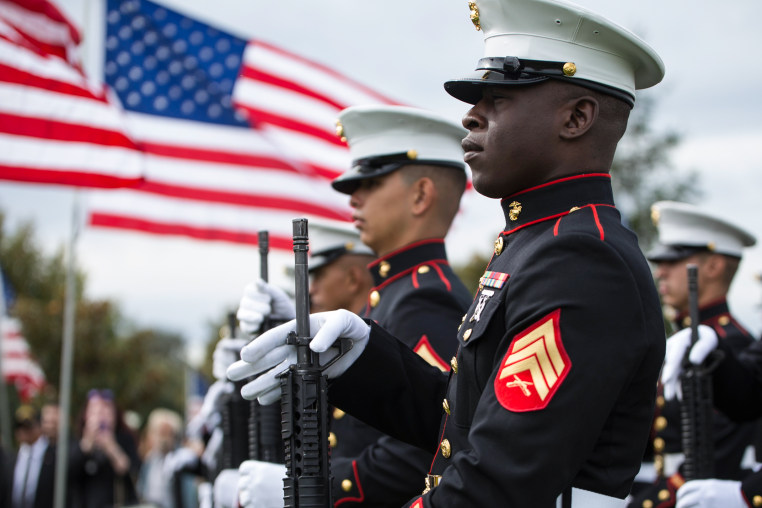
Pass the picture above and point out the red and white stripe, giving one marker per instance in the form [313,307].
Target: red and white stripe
[200,180]
[55,126]
[18,366]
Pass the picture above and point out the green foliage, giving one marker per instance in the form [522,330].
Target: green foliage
[643,173]
[472,271]
[143,367]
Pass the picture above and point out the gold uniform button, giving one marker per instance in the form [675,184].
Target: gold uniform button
[383,268]
[663,495]
[499,245]
[658,444]
[332,441]
[374,298]
[446,406]
[757,500]
[569,69]
[724,320]
[338,414]
[454,365]
[686,321]
[660,423]
[660,401]
[424,269]
[648,504]
[446,449]
[467,334]
[346,485]
[659,464]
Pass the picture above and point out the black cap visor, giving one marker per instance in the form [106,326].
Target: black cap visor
[511,71]
[372,167]
[662,253]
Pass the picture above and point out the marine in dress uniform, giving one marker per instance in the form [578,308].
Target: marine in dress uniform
[553,383]
[415,295]
[690,234]
[737,390]
[552,388]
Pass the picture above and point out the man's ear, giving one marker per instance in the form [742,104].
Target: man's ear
[714,266]
[423,193]
[579,115]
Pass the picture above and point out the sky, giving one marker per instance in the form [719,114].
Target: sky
[406,50]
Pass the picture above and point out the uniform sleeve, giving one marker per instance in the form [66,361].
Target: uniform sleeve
[751,487]
[386,473]
[579,305]
[398,379]
[737,382]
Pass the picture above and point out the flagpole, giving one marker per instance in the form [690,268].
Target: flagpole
[67,357]
[5,411]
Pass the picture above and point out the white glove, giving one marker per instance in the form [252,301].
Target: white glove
[208,416]
[677,344]
[227,352]
[710,494]
[260,484]
[179,459]
[205,495]
[225,489]
[213,449]
[261,300]
[269,352]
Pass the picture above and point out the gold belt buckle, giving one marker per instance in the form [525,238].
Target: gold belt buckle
[432,480]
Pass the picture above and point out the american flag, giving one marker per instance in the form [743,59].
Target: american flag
[233,135]
[18,365]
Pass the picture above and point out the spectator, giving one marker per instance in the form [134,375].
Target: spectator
[104,464]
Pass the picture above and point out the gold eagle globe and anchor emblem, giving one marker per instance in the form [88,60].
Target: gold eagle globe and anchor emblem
[474,14]
[515,210]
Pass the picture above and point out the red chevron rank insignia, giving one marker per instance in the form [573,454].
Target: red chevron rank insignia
[534,367]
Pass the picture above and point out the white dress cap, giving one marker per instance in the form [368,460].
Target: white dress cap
[384,138]
[552,38]
[329,240]
[685,228]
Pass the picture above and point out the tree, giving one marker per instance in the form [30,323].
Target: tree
[143,367]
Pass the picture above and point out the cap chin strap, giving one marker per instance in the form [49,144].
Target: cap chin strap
[512,70]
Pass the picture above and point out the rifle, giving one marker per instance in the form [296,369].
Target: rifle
[235,415]
[264,436]
[696,406]
[304,404]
